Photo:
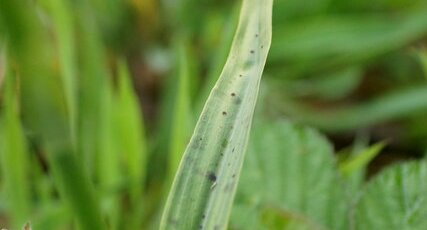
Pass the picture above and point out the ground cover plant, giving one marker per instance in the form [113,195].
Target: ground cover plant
[99,100]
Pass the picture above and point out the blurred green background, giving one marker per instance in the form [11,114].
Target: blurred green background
[99,97]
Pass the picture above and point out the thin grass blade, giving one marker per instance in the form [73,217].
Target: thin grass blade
[14,163]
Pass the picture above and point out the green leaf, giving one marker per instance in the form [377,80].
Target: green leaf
[132,143]
[361,160]
[98,148]
[181,117]
[64,28]
[14,161]
[395,199]
[392,105]
[328,41]
[44,109]
[204,187]
[220,56]
[289,176]
[423,59]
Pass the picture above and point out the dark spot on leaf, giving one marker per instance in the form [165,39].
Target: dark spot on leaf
[248,64]
[262,47]
[252,51]
[240,75]
[224,143]
[232,150]
[224,113]
[233,94]
[203,216]
[233,176]
[221,154]
[256,35]
[211,176]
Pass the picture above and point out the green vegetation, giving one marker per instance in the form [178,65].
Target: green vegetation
[99,100]
[204,187]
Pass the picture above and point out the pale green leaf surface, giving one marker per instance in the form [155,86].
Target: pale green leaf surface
[395,200]
[203,191]
[289,176]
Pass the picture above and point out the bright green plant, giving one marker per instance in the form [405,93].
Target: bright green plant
[76,152]
[203,190]
[396,199]
[290,180]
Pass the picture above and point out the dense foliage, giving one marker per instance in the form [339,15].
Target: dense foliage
[99,98]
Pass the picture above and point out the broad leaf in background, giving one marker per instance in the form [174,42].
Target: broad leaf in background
[290,180]
[204,187]
[395,200]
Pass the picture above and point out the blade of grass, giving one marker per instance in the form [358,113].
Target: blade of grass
[2,62]
[383,108]
[97,143]
[108,159]
[64,30]
[328,42]
[181,112]
[14,157]
[361,160]
[130,136]
[52,216]
[423,60]
[204,187]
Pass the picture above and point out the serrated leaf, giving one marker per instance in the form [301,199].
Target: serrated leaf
[395,199]
[204,187]
[290,172]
